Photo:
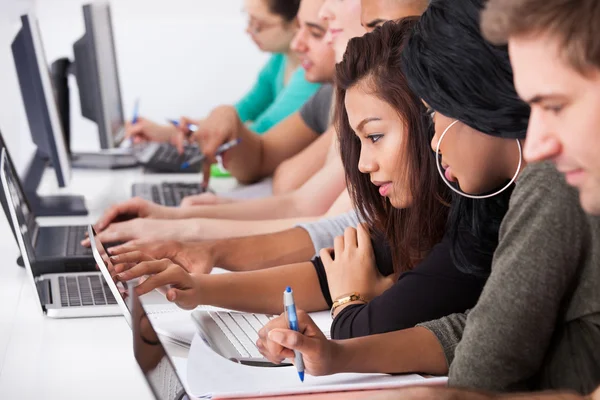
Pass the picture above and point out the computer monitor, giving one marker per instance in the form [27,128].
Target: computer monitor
[44,124]
[38,98]
[97,76]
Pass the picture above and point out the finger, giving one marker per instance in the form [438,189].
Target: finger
[184,122]
[183,298]
[292,340]
[178,141]
[274,358]
[338,245]
[350,239]
[128,247]
[363,236]
[135,256]
[118,268]
[143,269]
[129,207]
[205,174]
[325,255]
[173,275]
[117,232]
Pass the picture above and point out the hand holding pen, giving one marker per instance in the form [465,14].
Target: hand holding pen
[140,130]
[277,342]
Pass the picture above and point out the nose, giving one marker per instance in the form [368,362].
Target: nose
[325,11]
[366,163]
[541,143]
[298,43]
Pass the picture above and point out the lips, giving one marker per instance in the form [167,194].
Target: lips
[449,175]
[384,187]
[306,64]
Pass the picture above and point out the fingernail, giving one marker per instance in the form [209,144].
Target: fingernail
[276,336]
[121,276]
[171,296]
[114,258]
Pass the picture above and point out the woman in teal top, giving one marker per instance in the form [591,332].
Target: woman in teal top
[272,98]
[281,88]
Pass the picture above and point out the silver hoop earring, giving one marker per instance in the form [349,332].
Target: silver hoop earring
[486,196]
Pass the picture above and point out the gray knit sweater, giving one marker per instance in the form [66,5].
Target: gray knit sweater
[537,322]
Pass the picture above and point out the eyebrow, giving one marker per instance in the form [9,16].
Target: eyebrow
[541,97]
[374,23]
[366,121]
[314,25]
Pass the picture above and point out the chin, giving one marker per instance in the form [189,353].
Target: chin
[590,201]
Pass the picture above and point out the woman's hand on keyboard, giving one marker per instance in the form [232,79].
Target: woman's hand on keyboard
[134,208]
[141,229]
[276,342]
[196,257]
[178,285]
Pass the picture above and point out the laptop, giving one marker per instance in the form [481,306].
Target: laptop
[231,334]
[60,295]
[56,248]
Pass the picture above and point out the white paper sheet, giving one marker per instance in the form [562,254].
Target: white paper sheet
[209,374]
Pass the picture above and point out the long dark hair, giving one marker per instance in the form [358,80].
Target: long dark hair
[450,66]
[374,60]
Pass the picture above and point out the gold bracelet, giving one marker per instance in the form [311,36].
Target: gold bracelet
[340,301]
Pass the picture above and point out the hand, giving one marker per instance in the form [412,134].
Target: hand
[222,125]
[141,229]
[145,130]
[178,285]
[204,199]
[197,258]
[354,269]
[134,208]
[276,342]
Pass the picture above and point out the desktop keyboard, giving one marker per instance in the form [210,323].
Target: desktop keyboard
[167,159]
[166,193]
[74,247]
[84,290]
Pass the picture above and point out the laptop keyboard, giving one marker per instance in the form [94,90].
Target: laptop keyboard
[84,290]
[241,329]
[74,247]
[166,193]
[167,159]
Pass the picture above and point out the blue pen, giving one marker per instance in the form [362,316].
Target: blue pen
[292,317]
[220,150]
[136,109]
[191,127]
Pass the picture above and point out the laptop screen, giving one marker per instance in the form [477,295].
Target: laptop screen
[152,358]
[120,290]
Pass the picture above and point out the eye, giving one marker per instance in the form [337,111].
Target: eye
[375,137]
[554,108]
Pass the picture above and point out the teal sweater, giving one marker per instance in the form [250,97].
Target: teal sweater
[270,100]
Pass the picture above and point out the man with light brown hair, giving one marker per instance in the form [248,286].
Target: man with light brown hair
[554,48]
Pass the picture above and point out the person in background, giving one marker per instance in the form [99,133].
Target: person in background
[281,87]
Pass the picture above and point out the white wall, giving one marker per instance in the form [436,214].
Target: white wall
[180,57]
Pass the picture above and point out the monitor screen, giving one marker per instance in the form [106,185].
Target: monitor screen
[97,75]
[38,97]
[152,358]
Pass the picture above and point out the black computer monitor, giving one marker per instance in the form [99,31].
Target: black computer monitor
[38,97]
[43,119]
[97,76]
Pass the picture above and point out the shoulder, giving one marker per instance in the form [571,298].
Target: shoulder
[274,64]
[542,181]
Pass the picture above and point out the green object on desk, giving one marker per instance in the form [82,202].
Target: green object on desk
[217,172]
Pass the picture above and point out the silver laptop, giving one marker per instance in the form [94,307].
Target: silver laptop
[231,334]
[60,295]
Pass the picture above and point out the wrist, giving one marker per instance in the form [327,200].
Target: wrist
[339,357]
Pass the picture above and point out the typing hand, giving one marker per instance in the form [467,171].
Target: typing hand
[221,126]
[140,229]
[179,286]
[195,258]
[133,208]
[145,130]
[277,342]
[354,269]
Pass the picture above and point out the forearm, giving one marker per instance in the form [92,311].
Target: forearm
[244,161]
[409,350]
[261,291]
[263,251]
[273,207]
